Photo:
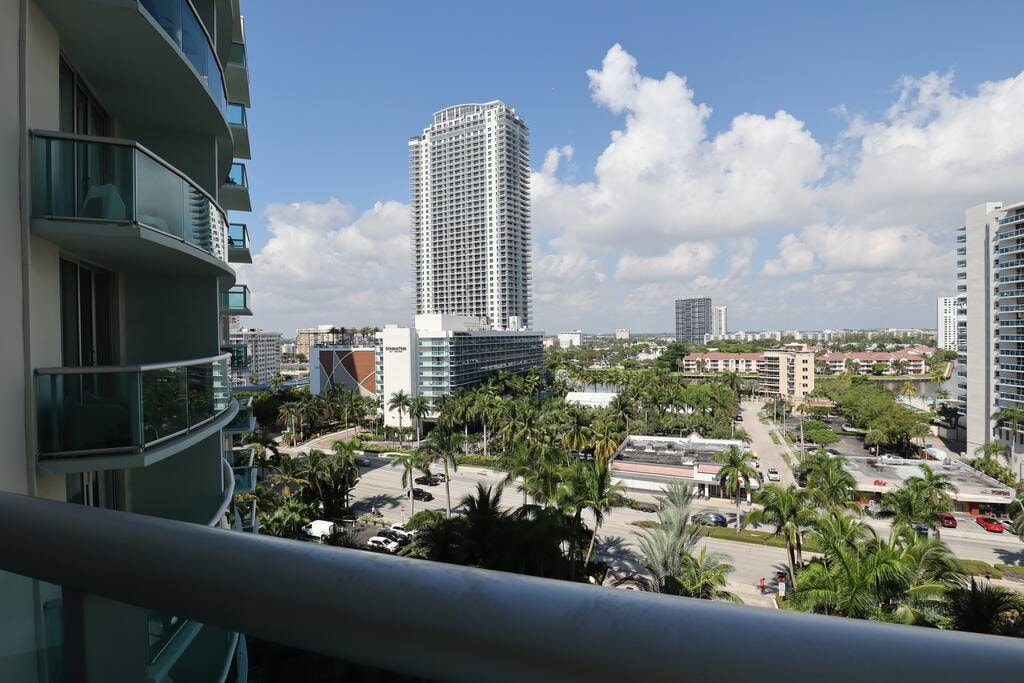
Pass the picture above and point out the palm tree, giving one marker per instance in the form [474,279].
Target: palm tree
[261,442]
[286,519]
[419,408]
[983,608]
[346,466]
[290,412]
[706,576]
[577,432]
[737,472]
[601,496]
[788,511]
[1012,415]
[830,484]
[606,439]
[409,462]
[990,449]
[874,437]
[935,492]
[621,409]
[399,402]
[442,446]
[907,389]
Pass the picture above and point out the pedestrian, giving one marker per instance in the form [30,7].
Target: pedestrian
[762,585]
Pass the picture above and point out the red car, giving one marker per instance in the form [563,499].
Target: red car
[990,524]
[947,520]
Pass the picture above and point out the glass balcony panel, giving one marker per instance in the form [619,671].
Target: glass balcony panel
[236,114]
[238,236]
[237,54]
[236,299]
[90,411]
[82,411]
[183,27]
[236,176]
[162,629]
[78,179]
[161,197]
[165,403]
[118,181]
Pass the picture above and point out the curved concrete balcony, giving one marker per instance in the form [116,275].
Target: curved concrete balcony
[238,243]
[116,203]
[174,79]
[234,191]
[99,418]
[235,301]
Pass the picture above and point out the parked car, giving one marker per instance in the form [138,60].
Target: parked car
[773,474]
[990,524]
[320,529]
[438,478]
[921,530]
[709,518]
[383,543]
[399,537]
[399,527]
[363,462]
[947,520]
[645,507]
[420,494]
[425,480]
[1008,525]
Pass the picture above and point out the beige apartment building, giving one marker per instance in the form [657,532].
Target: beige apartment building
[787,372]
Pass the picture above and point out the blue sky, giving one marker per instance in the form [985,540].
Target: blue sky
[339,87]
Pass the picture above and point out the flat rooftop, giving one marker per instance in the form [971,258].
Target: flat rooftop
[652,459]
[886,474]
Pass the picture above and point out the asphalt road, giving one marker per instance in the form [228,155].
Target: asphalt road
[380,487]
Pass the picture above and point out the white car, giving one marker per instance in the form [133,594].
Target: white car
[1008,525]
[384,543]
[773,474]
[399,529]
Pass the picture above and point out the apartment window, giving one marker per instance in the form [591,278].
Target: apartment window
[86,315]
[80,111]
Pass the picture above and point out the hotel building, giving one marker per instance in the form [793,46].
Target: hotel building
[442,354]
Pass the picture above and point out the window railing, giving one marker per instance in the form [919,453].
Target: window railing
[183,26]
[236,115]
[235,300]
[548,628]
[238,236]
[93,179]
[85,410]
[237,176]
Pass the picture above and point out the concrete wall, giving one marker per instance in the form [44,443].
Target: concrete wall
[169,317]
[187,486]
[980,400]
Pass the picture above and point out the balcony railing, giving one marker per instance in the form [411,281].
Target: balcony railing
[127,409]
[182,25]
[106,180]
[243,470]
[236,115]
[235,301]
[238,236]
[239,355]
[237,176]
[339,601]
[244,421]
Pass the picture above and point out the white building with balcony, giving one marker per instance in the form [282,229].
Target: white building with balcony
[469,176]
[945,322]
[990,293]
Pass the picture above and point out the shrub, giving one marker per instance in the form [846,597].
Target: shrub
[1011,571]
[978,568]
[476,460]
[424,518]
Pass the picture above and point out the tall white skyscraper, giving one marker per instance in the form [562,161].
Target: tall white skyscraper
[469,177]
[945,323]
[719,319]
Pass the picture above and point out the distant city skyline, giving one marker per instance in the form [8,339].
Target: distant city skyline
[793,195]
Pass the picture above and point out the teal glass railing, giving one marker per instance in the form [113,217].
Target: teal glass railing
[236,115]
[238,236]
[236,56]
[236,176]
[235,300]
[243,470]
[162,628]
[243,421]
[76,177]
[239,355]
[127,409]
[244,517]
[181,24]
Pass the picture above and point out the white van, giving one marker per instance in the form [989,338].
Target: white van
[321,529]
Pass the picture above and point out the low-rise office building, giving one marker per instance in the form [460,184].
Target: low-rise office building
[651,463]
[567,340]
[787,372]
[441,354]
